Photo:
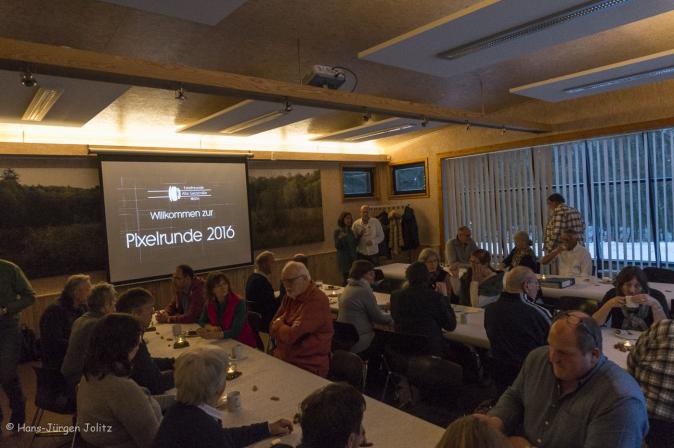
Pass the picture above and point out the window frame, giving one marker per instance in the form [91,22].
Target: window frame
[359,168]
[393,167]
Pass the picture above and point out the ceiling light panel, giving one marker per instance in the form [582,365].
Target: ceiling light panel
[497,30]
[208,12]
[252,117]
[41,104]
[625,74]
[379,129]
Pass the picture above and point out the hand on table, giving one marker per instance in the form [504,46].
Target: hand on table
[161,317]
[280,427]
[210,332]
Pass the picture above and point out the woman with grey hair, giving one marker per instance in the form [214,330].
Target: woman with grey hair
[522,254]
[194,421]
[438,278]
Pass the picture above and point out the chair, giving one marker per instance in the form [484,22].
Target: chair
[255,322]
[348,367]
[437,379]
[659,275]
[398,349]
[51,396]
[345,337]
[568,303]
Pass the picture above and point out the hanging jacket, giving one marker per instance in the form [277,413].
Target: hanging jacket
[410,229]
[384,245]
[395,241]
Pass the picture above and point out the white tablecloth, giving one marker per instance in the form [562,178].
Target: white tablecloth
[385,425]
[593,288]
[394,271]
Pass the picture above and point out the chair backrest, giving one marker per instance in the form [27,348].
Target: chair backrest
[51,392]
[348,367]
[432,373]
[399,348]
[255,322]
[568,303]
[659,275]
[345,337]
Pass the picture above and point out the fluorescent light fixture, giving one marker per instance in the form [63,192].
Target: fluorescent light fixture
[264,118]
[621,80]
[42,102]
[380,133]
[583,10]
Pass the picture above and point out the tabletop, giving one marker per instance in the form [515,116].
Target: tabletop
[272,389]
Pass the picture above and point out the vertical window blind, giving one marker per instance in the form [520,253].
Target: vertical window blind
[621,184]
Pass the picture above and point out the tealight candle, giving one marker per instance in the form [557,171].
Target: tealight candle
[628,344]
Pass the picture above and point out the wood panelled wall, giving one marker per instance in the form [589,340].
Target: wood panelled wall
[323,266]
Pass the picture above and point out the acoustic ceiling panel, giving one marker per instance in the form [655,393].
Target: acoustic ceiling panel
[208,12]
[379,129]
[252,117]
[630,73]
[497,30]
[79,101]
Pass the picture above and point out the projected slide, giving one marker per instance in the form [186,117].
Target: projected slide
[160,214]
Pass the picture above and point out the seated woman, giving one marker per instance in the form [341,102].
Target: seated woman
[107,397]
[358,305]
[225,314]
[522,254]
[632,305]
[472,432]
[194,420]
[480,285]
[438,278]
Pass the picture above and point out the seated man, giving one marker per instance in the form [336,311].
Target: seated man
[573,260]
[259,291]
[569,395]
[458,250]
[652,364]
[515,325]
[418,309]
[321,428]
[57,320]
[101,301]
[302,327]
[188,302]
[155,374]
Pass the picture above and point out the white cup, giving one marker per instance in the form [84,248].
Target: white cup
[233,401]
[629,303]
[237,351]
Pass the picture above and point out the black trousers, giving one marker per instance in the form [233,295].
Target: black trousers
[10,352]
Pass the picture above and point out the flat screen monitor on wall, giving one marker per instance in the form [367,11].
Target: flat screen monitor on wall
[164,211]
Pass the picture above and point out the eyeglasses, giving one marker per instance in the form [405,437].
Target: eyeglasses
[287,281]
[578,322]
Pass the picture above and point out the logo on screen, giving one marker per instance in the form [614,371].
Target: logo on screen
[174,193]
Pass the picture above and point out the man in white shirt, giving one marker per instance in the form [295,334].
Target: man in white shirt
[573,260]
[369,232]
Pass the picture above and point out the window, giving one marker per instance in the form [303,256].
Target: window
[409,178]
[357,182]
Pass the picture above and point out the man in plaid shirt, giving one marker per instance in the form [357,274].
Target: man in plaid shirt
[652,364]
[563,217]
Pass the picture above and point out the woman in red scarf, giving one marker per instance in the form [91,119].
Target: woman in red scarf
[225,314]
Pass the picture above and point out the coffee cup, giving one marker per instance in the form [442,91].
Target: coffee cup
[233,401]
[630,303]
[237,351]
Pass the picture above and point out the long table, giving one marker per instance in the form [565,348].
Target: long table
[272,389]
[586,287]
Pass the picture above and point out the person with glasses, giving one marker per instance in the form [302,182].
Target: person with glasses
[515,325]
[632,305]
[302,327]
[569,394]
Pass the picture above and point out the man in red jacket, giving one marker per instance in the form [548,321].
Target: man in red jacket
[188,303]
[302,326]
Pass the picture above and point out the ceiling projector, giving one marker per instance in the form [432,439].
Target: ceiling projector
[324,76]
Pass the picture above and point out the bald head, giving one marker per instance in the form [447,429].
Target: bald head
[516,278]
[295,278]
[580,327]
[574,346]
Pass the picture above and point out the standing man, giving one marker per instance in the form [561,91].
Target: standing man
[259,290]
[302,326]
[188,303]
[370,233]
[573,260]
[459,249]
[15,295]
[561,217]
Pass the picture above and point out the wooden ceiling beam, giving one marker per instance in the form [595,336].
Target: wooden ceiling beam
[19,55]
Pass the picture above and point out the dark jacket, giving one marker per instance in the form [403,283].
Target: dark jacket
[345,243]
[529,261]
[186,426]
[155,374]
[420,310]
[616,315]
[410,229]
[55,326]
[261,299]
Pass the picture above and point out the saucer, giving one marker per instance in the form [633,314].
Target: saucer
[238,359]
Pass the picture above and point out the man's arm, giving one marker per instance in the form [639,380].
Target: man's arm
[313,316]
[510,407]
[25,293]
[586,264]
[194,309]
[548,258]
[623,425]
[379,232]
[450,253]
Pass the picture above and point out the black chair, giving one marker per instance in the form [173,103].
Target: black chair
[348,367]
[569,303]
[51,395]
[398,349]
[438,380]
[659,275]
[345,337]
[255,322]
